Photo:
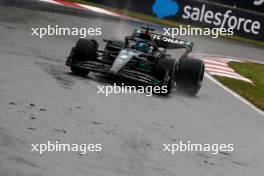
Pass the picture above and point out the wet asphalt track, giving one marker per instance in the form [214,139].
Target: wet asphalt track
[41,100]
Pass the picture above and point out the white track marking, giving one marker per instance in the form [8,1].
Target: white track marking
[215,62]
[231,76]
[222,71]
[98,10]
[227,57]
[51,1]
[106,12]
[235,94]
[225,71]
[216,67]
[92,8]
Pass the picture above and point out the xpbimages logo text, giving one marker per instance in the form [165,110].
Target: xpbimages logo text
[65,147]
[56,30]
[188,146]
[127,89]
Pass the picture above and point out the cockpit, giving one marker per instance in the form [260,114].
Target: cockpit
[140,45]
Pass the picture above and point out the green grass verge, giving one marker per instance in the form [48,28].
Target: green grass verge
[252,92]
[163,22]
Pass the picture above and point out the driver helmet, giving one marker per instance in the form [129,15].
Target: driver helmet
[142,46]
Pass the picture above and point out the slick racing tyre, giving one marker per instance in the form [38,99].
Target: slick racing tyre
[79,71]
[165,71]
[190,75]
[84,50]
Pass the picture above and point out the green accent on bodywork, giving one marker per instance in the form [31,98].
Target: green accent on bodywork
[156,82]
[144,66]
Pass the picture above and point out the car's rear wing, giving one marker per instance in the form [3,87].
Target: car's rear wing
[171,43]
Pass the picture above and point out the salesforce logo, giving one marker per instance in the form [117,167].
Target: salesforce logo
[165,8]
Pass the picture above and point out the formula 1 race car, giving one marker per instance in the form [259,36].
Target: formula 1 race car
[140,57]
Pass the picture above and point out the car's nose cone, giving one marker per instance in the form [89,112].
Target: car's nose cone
[121,60]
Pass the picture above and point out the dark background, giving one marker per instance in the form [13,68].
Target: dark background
[243,4]
[243,11]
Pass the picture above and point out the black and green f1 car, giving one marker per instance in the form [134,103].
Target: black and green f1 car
[140,57]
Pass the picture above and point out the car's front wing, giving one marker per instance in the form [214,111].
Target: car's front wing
[104,67]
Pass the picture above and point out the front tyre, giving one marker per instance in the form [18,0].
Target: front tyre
[85,50]
[190,75]
[80,71]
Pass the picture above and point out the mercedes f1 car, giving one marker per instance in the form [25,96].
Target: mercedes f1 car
[140,57]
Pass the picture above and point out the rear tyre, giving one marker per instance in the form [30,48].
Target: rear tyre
[84,50]
[165,71]
[190,75]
